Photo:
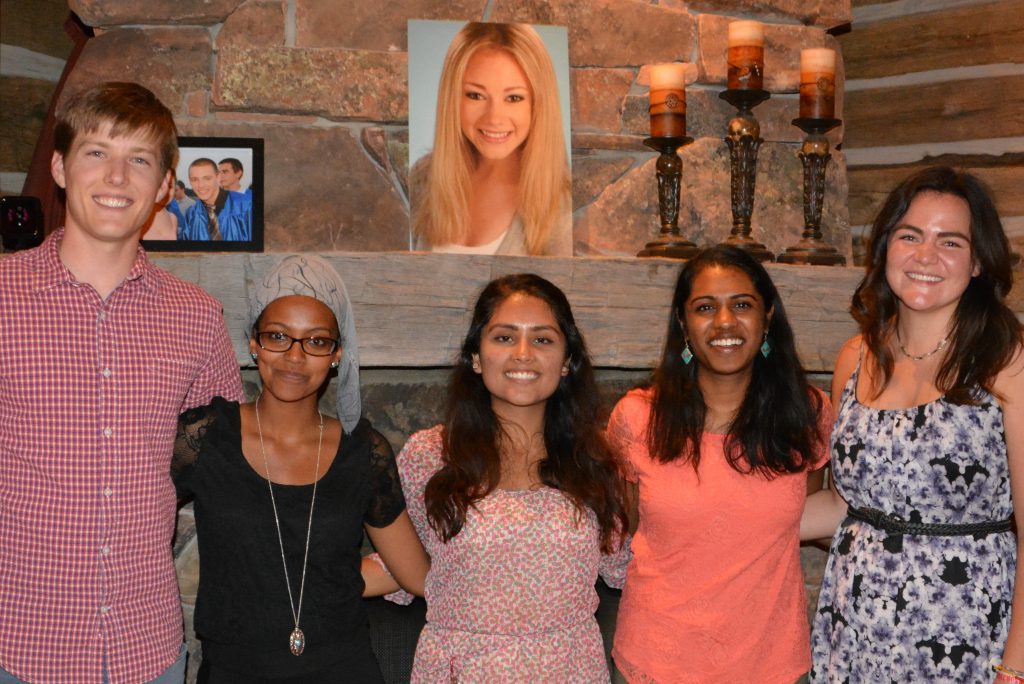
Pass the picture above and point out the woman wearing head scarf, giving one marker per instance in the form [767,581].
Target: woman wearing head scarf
[283,493]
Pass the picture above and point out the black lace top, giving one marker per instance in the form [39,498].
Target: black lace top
[242,611]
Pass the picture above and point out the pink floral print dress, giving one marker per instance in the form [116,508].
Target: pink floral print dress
[511,598]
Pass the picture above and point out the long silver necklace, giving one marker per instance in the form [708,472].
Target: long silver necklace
[920,357]
[297,639]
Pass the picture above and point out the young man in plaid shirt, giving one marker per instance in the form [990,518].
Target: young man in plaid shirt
[99,352]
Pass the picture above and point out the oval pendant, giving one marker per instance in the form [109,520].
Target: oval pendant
[297,642]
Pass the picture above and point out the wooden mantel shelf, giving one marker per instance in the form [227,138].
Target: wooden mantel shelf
[413,309]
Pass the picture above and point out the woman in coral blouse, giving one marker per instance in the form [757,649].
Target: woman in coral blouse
[719,445]
[517,499]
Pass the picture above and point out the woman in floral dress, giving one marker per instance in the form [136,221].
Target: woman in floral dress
[927,453]
[517,499]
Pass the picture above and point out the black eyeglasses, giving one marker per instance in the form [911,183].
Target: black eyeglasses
[279,343]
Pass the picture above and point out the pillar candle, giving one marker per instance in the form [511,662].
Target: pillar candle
[818,83]
[746,55]
[668,100]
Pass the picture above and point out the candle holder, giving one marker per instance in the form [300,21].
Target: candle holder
[814,155]
[670,243]
[744,140]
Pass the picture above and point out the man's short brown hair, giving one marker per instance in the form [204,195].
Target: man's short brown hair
[128,108]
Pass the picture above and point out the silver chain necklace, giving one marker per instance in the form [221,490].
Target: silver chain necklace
[920,357]
[296,640]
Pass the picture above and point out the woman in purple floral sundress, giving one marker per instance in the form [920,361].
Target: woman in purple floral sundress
[927,453]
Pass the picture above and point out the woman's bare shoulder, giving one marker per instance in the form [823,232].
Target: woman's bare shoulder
[846,362]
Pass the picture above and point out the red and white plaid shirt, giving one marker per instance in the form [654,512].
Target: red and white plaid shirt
[90,392]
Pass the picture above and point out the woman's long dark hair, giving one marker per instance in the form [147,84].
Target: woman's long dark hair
[579,461]
[986,333]
[776,429]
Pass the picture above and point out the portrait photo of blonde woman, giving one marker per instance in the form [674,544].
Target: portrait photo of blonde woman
[488,139]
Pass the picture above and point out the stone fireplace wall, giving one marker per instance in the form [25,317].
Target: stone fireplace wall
[324,83]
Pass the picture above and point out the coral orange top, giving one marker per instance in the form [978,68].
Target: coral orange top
[715,592]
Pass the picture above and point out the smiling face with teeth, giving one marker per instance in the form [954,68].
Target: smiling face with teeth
[112,184]
[496,105]
[202,176]
[929,261]
[724,321]
[522,357]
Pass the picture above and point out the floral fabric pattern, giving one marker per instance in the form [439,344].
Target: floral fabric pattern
[511,598]
[900,608]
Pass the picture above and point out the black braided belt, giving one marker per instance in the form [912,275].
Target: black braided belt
[897,525]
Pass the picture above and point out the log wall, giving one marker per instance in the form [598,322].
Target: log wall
[413,309]
[935,82]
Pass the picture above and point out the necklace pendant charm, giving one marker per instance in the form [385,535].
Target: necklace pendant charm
[297,642]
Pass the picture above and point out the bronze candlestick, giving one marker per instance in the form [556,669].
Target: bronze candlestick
[744,141]
[670,243]
[814,155]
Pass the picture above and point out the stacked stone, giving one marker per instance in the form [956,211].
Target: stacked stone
[325,85]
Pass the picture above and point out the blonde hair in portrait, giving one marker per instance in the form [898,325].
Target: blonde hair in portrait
[544,183]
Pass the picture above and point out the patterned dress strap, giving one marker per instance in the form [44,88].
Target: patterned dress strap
[850,388]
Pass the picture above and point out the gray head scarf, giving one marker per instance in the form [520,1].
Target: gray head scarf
[313,277]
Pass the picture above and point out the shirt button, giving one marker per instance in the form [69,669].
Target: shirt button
[107,372]
[105,550]
[107,491]
[102,315]
[107,432]
[104,609]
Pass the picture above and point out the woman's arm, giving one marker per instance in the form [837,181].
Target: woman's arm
[826,418]
[823,511]
[377,581]
[815,481]
[619,433]
[403,538]
[1010,387]
[825,508]
[622,437]
[612,566]
[188,441]
[402,553]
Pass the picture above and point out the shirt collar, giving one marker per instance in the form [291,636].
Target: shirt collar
[55,272]
[222,199]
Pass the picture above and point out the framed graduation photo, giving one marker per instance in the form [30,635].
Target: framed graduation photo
[216,201]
